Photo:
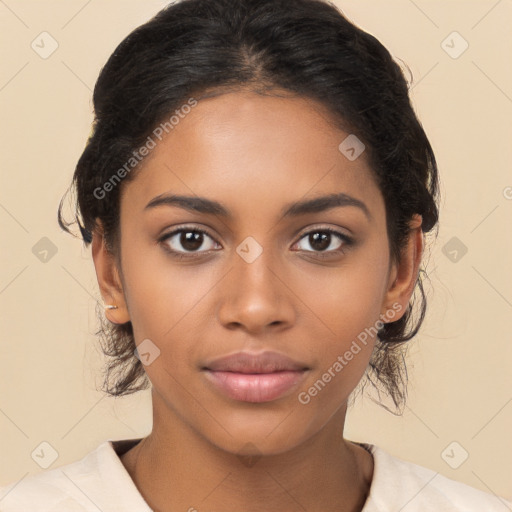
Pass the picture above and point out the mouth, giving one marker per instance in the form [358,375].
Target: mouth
[255,378]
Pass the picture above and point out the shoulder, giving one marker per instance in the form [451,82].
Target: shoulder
[53,489]
[98,481]
[401,485]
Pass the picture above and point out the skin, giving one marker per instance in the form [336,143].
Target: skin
[254,154]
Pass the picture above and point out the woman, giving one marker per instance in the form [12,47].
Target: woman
[256,192]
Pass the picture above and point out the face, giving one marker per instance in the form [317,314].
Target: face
[250,263]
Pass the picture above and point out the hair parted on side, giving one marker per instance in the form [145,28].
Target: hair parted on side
[306,47]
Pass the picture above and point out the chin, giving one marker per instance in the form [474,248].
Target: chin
[257,435]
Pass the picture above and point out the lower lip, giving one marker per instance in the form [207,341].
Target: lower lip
[255,387]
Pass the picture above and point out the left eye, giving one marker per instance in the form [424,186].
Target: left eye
[322,240]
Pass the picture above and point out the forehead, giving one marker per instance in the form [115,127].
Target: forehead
[252,150]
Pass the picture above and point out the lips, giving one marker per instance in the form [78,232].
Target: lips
[245,362]
[254,377]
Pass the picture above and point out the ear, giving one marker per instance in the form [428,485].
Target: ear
[108,276]
[404,274]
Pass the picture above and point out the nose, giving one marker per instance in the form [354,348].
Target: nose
[255,296]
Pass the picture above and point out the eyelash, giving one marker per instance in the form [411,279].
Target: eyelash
[347,242]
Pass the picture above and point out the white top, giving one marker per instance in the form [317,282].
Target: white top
[99,481]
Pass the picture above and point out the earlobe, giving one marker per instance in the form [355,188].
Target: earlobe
[109,281]
[404,274]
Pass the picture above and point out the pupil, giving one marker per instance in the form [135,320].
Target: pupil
[319,241]
[191,240]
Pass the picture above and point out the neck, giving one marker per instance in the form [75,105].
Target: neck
[176,469]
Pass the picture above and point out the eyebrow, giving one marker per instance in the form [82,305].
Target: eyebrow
[208,206]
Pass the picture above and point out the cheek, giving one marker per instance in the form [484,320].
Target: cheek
[341,342]
[166,302]
[156,292]
[346,304]
[345,300]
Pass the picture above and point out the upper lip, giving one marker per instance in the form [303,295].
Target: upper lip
[246,362]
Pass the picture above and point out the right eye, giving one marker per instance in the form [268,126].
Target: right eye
[186,241]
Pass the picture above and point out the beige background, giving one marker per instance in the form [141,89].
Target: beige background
[460,363]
